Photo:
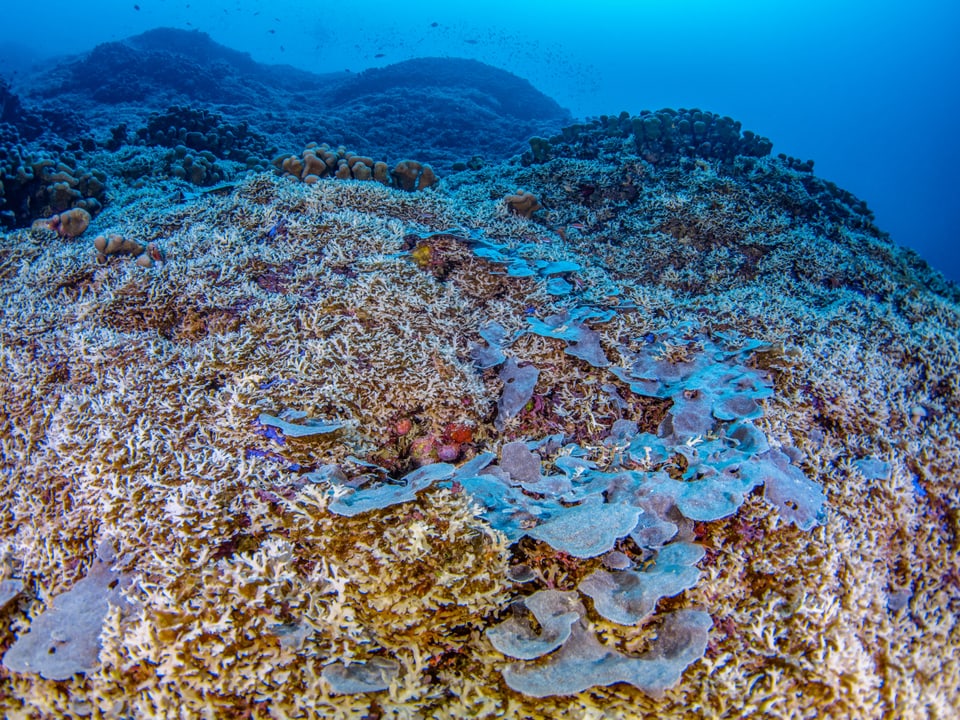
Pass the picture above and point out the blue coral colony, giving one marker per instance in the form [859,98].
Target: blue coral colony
[583,511]
[546,437]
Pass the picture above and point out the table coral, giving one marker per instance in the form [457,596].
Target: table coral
[64,640]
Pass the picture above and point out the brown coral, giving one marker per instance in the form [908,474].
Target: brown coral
[319,161]
[523,203]
[68,224]
[145,255]
[113,244]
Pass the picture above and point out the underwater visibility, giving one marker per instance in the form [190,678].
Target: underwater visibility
[407,393]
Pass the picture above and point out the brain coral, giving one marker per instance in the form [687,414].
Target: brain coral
[175,412]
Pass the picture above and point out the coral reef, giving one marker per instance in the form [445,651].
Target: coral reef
[201,131]
[36,184]
[361,452]
[444,110]
[320,160]
[11,110]
[164,62]
[657,137]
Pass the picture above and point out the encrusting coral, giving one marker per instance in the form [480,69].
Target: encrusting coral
[311,349]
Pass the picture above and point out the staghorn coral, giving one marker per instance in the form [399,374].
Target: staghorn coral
[141,427]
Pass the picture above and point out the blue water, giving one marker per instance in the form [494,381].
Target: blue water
[868,90]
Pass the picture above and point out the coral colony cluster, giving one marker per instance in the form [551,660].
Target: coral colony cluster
[643,423]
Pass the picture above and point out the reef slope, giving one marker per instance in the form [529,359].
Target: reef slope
[137,434]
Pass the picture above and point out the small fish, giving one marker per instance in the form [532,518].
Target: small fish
[379,55]
[272,32]
[279,228]
[156,253]
[136,7]
[434,24]
[471,42]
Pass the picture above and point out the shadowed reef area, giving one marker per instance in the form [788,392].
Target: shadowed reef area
[406,395]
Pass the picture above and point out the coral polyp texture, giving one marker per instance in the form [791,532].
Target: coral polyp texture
[677,437]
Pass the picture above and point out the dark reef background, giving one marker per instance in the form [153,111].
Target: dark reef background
[866,89]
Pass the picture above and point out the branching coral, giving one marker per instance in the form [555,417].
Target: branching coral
[130,414]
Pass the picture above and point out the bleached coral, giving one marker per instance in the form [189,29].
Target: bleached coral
[130,405]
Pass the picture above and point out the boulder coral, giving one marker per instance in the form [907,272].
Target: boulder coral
[107,245]
[200,168]
[319,161]
[201,130]
[36,184]
[68,224]
[523,203]
[659,137]
[145,256]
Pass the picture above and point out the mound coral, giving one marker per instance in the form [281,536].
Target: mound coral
[318,161]
[68,224]
[523,203]
[144,255]
[35,185]
[659,137]
[201,130]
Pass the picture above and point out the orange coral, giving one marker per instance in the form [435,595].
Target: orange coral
[523,203]
[69,224]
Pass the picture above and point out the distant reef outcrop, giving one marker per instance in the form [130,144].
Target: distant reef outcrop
[445,109]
